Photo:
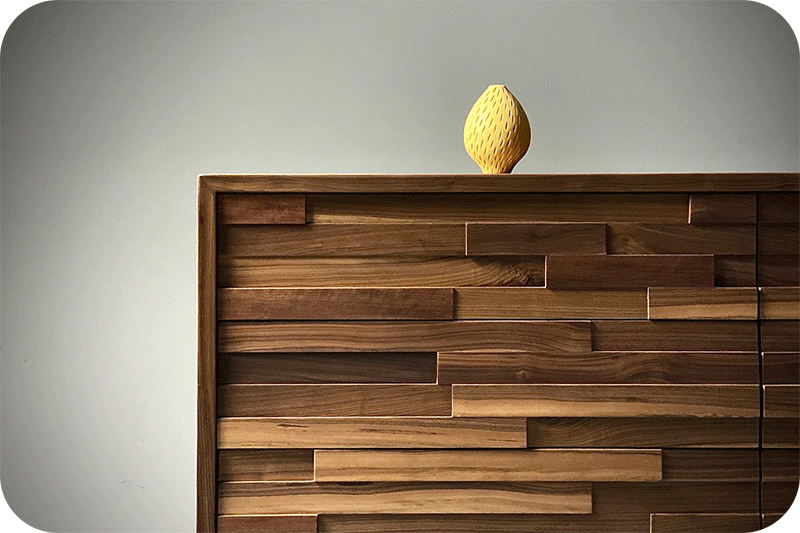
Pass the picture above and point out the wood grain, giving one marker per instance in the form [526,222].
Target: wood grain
[333,400]
[780,465]
[261,209]
[738,401]
[669,497]
[779,208]
[704,523]
[778,270]
[780,432]
[628,271]
[779,303]
[598,367]
[716,464]
[542,303]
[487,465]
[778,496]
[335,304]
[403,498]
[711,335]
[778,239]
[735,271]
[722,209]
[780,336]
[364,432]
[781,367]
[624,238]
[535,239]
[702,303]
[781,401]
[266,465]
[267,523]
[403,336]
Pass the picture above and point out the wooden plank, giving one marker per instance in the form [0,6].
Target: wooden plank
[778,239]
[704,523]
[778,270]
[335,304]
[712,335]
[535,239]
[321,240]
[779,208]
[780,303]
[780,336]
[781,401]
[702,303]
[487,465]
[628,271]
[357,367]
[696,464]
[780,465]
[403,336]
[778,496]
[539,302]
[598,367]
[770,518]
[781,432]
[643,432]
[737,401]
[405,498]
[266,465]
[735,271]
[333,400]
[267,523]
[376,432]
[668,497]
[781,367]
[722,209]
[261,209]
[624,238]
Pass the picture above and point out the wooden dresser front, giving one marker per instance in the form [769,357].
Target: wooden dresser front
[498,353]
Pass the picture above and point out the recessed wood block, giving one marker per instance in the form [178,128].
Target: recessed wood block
[779,208]
[781,401]
[669,497]
[679,335]
[738,401]
[266,465]
[404,498]
[781,432]
[722,209]
[626,238]
[487,465]
[539,302]
[335,304]
[628,271]
[781,367]
[780,336]
[778,496]
[261,209]
[376,432]
[267,523]
[735,271]
[535,239]
[321,240]
[770,518]
[704,523]
[778,270]
[333,400]
[598,367]
[696,464]
[702,303]
[781,465]
[780,303]
[404,336]
[778,239]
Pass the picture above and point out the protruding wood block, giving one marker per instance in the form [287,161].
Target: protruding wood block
[780,336]
[704,522]
[780,303]
[722,209]
[261,209]
[779,208]
[628,271]
[267,523]
[778,270]
[626,238]
[778,239]
[716,335]
[701,303]
[781,401]
[535,239]
[781,432]
[405,498]
[376,432]
[737,401]
[266,465]
[487,465]
[781,367]
[335,304]
[669,497]
[697,464]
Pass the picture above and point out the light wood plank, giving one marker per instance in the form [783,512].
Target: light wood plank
[628,271]
[536,302]
[735,271]
[624,238]
[778,270]
[781,401]
[779,208]
[333,400]
[335,304]
[779,239]
[781,368]
[722,209]
[266,465]
[697,464]
[261,209]
[403,336]
[487,465]
[405,498]
[669,497]
[712,335]
[781,432]
[704,523]
[535,239]
[780,303]
[702,303]
[737,401]
[598,367]
[780,336]
[381,432]
[267,523]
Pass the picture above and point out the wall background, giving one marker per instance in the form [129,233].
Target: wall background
[111,109]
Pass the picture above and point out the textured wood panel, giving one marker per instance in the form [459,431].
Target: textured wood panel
[781,367]
[722,209]
[628,271]
[266,465]
[335,304]
[704,523]
[668,497]
[261,209]
[267,523]
[780,303]
[778,239]
[735,270]
[712,335]
[700,303]
[781,401]
[780,208]
[780,336]
[376,432]
[714,464]
[626,238]
[535,239]
[780,465]
[778,496]
[780,432]
[778,270]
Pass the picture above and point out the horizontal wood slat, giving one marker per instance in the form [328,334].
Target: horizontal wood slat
[403,498]
[266,465]
[781,432]
[779,208]
[403,336]
[778,270]
[778,496]
[628,271]
[335,304]
[781,465]
[781,367]
[780,336]
[712,335]
[722,209]
[704,523]
[261,209]
[735,270]
[267,523]
[701,303]
[778,239]
[668,497]
[780,303]
[697,464]
[781,401]
[535,239]
[376,432]
[626,238]
[487,465]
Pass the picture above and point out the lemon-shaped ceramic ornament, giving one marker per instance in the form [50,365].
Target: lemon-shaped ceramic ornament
[497,133]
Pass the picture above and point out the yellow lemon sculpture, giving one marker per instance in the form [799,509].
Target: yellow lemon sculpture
[497,133]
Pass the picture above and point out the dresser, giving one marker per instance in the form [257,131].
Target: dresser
[498,353]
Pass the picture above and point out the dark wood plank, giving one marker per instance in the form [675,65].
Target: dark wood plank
[734,270]
[535,239]
[267,524]
[711,335]
[704,522]
[669,497]
[702,303]
[718,464]
[266,465]
[780,336]
[261,209]
[643,432]
[354,367]
[780,465]
[781,432]
[779,303]
[326,240]
[778,496]
[781,367]
[333,400]
[624,238]
[778,239]
[769,519]
[335,304]
[779,208]
[628,271]
[778,270]
[598,367]
[404,336]
[722,209]
[781,401]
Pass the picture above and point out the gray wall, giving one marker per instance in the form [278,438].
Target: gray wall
[110,110]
